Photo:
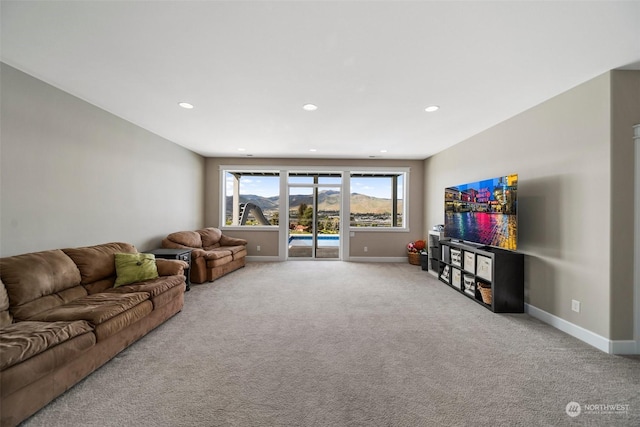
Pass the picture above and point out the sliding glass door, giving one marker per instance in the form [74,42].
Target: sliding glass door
[314,215]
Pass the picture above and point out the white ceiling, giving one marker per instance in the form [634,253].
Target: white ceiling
[371,67]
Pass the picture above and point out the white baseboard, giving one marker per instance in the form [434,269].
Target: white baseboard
[624,347]
[591,338]
[263,258]
[377,259]
[351,259]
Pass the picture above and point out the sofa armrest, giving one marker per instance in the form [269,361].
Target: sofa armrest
[232,241]
[171,267]
[198,253]
[216,253]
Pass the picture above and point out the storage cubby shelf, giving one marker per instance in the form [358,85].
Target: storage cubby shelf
[468,268]
[433,248]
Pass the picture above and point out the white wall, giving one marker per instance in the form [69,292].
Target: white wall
[561,151]
[73,174]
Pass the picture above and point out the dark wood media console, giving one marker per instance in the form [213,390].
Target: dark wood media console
[492,277]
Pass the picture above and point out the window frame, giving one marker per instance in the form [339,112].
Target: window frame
[384,172]
[283,172]
[224,170]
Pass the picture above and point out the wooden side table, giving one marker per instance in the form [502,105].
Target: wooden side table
[181,254]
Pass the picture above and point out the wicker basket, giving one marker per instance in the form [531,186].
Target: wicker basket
[414,258]
[485,292]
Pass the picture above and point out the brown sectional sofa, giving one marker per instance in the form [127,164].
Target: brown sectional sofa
[61,318]
[213,254]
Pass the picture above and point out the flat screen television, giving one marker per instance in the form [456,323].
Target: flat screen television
[483,212]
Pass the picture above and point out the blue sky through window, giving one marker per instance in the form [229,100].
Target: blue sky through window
[269,186]
[263,186]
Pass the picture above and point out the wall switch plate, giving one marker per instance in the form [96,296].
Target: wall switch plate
[575,305]
[258,248]
[366,249]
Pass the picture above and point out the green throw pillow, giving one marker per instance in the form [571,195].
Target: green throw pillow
[132,268]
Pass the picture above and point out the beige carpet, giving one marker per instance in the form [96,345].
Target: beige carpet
[328,343]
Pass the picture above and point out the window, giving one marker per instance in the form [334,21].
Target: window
[252,198]
[377,199]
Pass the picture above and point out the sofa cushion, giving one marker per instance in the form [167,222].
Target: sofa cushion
[186,238]
[210,237]
[219,253]
[97,262]
[168,297]
[22,340]
[218,258]
[234,249]
[153,287]
[5,314]
[133,268]
[123,320]
[31,276]
[72,294]
[240,254]
[96,308]
[39,281]
[30,309]
[28,371]
[100,285]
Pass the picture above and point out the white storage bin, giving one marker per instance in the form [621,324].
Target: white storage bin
[469,284]
[456,278]
[484,267]
[470,262]
[445,274]
[456,257]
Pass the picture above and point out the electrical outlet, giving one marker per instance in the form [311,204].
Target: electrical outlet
[575,305]
[366,249]
[258,248]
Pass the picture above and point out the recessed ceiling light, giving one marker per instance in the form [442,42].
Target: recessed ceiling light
[185,105]
[312,150]
[383,151]
[431,108]
[241,149]
[309,107]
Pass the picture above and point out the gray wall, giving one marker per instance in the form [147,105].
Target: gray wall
[380,244]
[563,152]
[73,174]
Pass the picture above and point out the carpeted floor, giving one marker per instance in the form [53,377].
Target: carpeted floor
[349,344]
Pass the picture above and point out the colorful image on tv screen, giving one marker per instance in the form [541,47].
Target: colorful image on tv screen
[483,212]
